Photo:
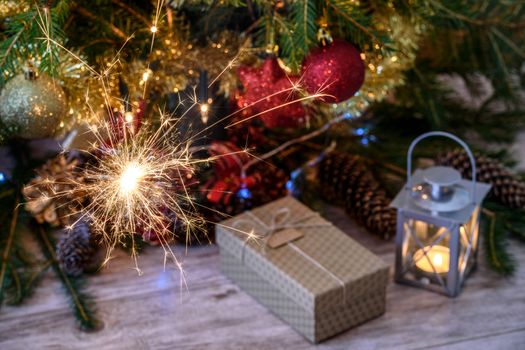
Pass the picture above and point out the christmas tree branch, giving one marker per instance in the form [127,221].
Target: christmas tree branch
[72,285]
[341,12]
[132,11]
[36,275]
[90,15]
[7,249]
[292,142]
[11,44]
[495,245]
[21,25]
[478,22]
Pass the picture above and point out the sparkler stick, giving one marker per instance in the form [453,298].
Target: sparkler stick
[292,142]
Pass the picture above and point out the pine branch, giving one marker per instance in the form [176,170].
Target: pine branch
[303,17]
[496,253]
[27,39]
[443,10]
[7,250]
[10,49]
[133,12]
[287,44]
[17,263]
[356,23]
[91,16]
[81,303]
[347,11]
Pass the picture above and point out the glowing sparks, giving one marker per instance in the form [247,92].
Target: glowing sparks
[129,180]
[128,116]
[153,29]
[140,184]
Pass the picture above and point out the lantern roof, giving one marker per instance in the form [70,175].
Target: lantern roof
[406,202]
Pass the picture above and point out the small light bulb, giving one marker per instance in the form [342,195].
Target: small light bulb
[145,75]
[205,108]
[153,29]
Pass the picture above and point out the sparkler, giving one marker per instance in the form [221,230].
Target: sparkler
[139,184]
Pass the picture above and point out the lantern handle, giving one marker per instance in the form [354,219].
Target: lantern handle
[450,136]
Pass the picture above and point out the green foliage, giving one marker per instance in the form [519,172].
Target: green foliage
[300,35]
[355,23]
[16,264]
[467,38]
[20,271]
[74,287]
[26,38]
[500,222]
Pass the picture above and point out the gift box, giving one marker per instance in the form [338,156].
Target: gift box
[304,269]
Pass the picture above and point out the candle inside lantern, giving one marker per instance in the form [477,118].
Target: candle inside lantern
[437,257]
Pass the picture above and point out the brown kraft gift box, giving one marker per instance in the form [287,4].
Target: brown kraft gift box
[316,278]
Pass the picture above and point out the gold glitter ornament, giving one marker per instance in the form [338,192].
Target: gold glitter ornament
[32,106]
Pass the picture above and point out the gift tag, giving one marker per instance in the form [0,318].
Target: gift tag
[282,237]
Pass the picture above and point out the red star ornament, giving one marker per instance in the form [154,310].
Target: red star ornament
[269,94]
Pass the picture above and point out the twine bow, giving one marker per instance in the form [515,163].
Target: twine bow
[280,220]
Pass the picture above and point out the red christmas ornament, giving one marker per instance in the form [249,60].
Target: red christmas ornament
[267,90]
[222,189]
[336,70]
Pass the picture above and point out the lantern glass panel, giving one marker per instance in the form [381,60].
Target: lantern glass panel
[468,239]
[426,255]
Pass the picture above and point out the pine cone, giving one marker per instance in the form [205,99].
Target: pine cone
[75,249]
[347,181]
[506,187]
[49,196]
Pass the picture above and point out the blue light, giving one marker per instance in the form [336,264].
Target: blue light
[291,185]
[295,173]
[360,131]
[347,116]
[2,178]
[244,193]
[365,141]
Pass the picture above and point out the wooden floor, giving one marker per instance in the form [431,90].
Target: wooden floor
[151,312]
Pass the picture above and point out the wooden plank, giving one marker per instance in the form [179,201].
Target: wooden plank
[512,340]
[151,311]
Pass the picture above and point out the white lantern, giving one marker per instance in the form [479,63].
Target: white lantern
[438,224]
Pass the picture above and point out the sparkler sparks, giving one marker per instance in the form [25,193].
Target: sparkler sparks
[140,183]
[130,178]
